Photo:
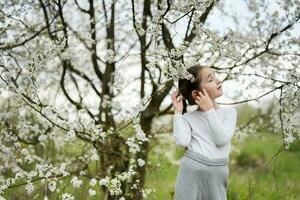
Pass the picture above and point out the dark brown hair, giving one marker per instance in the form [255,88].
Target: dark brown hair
[187,86]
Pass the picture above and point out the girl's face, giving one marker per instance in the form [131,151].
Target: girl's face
[210,83]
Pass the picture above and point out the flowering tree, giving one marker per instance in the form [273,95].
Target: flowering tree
[63,71]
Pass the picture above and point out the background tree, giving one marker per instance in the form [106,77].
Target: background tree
[64,66]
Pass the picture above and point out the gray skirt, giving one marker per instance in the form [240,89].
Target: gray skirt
[201,178]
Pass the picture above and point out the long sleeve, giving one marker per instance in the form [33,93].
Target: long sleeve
[182,131]
[222,132]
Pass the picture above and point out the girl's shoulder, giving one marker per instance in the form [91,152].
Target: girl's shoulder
[230,109]
[220,109]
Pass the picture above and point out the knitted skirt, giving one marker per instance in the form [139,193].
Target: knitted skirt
[201,178]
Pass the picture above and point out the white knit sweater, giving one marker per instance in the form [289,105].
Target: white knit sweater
[208,133]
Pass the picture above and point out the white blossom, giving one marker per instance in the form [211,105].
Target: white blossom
[147,191]
[140,135]
[94,157]
[104,181]
[93,182]
[133,147]
[52,186]
[82,173]
[109,56]
[119,79]
[67,196]
[29,187]
[92,192]
[42,138]
[115,187]
[70,135]
[76,182]
[141,162]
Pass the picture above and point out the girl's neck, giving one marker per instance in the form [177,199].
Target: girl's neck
[216,106]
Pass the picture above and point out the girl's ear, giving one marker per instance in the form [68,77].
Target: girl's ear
[194,94]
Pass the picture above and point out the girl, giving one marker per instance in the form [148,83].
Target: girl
[206,133]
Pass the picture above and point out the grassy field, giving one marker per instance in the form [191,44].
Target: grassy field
[252,173]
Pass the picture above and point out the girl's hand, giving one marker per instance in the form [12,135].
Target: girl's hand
[177,102]
[203,101]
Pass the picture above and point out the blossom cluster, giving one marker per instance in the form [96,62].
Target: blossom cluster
[290,99]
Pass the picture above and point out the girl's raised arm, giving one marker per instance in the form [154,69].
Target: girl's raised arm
[182,131]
